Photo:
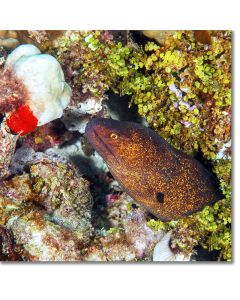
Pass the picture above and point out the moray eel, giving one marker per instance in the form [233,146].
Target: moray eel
[167,182]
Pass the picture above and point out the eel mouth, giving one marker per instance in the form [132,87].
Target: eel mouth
[99,144]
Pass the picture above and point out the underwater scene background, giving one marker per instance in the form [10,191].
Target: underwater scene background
[59,201]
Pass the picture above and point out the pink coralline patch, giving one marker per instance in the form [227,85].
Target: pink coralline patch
[107,36]
[13,92]
[111,198]
[186,123]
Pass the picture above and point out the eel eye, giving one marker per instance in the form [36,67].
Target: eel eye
[113,136]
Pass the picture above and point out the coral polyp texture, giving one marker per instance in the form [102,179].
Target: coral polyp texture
[58,200]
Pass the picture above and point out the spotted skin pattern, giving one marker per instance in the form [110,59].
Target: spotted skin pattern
[147,167]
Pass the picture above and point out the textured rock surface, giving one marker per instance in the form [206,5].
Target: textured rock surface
[130,239]
[48,210]
[7,147]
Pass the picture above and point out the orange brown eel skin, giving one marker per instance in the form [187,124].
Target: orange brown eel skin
[167,182]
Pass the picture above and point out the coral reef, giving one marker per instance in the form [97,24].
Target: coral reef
[47,136]
[40,240]
[180,83]
[191,108]
[189,81]
[129,238]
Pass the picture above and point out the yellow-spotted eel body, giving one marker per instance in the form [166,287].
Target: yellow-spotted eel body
[167,182]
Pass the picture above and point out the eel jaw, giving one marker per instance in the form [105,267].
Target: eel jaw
[100,145]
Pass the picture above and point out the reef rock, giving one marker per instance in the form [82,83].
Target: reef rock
[43,39]
[7,147]
[48,210]
[82,154]
[158,35]
[131,240]
[42,240]
[7,246]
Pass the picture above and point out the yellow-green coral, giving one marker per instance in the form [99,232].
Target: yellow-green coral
[185,91]
[95,61]
[188,101]
[196,116]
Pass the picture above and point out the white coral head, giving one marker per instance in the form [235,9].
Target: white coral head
[43,77]
[163,252]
